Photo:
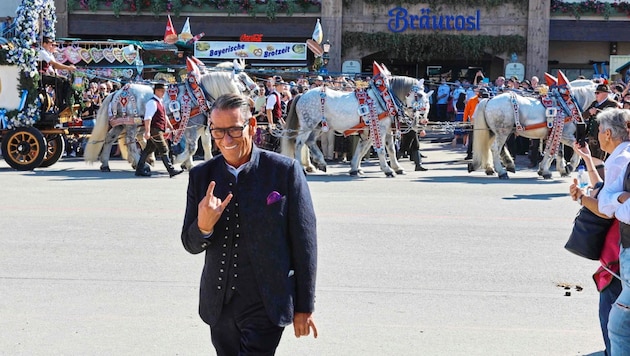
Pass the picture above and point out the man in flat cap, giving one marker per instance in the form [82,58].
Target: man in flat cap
[155,124]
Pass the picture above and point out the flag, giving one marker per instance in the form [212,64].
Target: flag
[170,36]
[318,33]
[186,35]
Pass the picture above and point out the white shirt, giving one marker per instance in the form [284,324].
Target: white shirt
[45,56]
[615,172]
[271,100]
[150,108]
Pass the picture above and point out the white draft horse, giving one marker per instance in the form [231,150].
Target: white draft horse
[213,83]
[341,110]
[494,122]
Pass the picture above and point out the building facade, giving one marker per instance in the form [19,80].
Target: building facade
[439,37]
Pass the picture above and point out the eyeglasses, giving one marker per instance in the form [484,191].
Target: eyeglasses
[233,132]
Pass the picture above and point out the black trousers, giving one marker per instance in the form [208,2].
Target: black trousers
[245,329]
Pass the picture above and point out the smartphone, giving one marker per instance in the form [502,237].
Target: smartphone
[580,134]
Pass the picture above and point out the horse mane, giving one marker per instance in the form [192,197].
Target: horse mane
[218,83]
[401,85]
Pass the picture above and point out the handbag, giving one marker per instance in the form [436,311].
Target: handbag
[589,234]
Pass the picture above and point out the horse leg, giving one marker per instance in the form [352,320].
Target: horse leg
[382,157]
[111,137]
[298,154]
[543,170]
[318,156]
[507,160]
[496,148]
[206,143]
[362,148]
[391,151]
[185,158]
[133,155]
[561,162]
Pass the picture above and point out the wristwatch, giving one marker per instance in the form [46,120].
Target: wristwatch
[579,200]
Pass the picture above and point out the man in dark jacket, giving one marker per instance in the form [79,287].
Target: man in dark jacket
[250,210]
[601,102]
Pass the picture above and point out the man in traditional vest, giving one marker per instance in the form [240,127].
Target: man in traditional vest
[155,123]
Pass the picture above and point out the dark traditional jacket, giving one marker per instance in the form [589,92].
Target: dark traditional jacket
[277,236]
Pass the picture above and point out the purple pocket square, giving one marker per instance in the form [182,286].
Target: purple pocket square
[273,197]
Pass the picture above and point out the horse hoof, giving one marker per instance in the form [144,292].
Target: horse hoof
[511,169]
[565,174]
[540,173]
[490,173]
[309,169]
[105,169]
[546,176]
[389,174]
[360,172]
[321,167]
[400,171]
[504,176]
[353,173]
[471,168]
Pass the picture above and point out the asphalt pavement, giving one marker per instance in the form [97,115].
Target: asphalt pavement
[442,262]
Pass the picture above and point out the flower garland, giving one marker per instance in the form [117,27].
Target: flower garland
[601,8]
[24,53]
[157,7]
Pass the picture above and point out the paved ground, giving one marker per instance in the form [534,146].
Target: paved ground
[441,262]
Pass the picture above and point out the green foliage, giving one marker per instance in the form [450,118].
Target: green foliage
[590,7]
[417,47]
[117,6]
[436,4]
[271,8]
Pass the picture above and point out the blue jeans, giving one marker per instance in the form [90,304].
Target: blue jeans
[607,299]
[619,318]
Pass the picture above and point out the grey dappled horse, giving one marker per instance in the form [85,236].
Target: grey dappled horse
[214,83]
[341,110]
[494,121]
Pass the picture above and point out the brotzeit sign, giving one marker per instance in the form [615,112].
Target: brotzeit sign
[401,20]
[250,50]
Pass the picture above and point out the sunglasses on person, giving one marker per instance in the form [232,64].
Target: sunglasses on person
[233,132]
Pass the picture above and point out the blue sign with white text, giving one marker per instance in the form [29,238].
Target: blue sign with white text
[401,20]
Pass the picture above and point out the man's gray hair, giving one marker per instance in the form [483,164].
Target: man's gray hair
[615,120]
[233,101]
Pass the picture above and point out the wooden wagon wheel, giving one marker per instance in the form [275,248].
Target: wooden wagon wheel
[55,145]
[24,148]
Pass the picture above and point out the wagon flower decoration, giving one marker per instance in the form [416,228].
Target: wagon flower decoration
[24,53]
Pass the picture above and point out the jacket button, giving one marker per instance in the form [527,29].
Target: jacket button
[218,287]
[203,245]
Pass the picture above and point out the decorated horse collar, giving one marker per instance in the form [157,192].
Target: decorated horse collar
[380,84]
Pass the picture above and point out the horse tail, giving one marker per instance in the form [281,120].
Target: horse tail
[292,125]
[99,132]
[481,137]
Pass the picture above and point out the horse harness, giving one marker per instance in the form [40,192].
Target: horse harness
[181,113]
[560,109]
[367,111]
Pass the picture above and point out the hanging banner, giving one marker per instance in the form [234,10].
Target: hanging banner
[250,50]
